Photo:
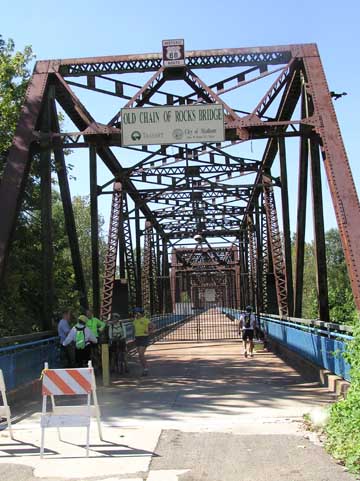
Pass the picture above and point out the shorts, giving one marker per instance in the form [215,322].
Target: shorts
[142,341]
[248,334]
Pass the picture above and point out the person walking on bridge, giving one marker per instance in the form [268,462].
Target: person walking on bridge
[247,327]
[142,327]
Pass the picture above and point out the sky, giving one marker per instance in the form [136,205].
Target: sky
[81,28]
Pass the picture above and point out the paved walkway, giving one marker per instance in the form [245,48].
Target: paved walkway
[204,414]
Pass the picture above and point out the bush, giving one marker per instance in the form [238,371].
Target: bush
[343,428]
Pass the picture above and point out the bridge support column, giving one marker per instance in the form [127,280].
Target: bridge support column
[138,258]
[69,218]
[46,219]
[94,231]
[301,213]
[319,232]
[286,225]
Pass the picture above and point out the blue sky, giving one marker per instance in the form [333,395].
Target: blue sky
[88,28]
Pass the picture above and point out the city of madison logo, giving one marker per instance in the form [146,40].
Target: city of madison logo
[178,134]
[136,135]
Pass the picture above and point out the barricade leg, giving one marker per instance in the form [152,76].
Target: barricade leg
[96,404]
[43,429]
[87,440]
[8,419]
[53,406]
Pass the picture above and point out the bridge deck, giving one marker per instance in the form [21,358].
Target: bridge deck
[204,412]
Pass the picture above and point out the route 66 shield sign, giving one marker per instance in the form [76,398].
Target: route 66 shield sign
[173,52]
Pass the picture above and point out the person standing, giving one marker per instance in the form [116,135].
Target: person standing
[143,327]
[94,324]
[83,338]
[247,326]
[118,346]
[63,330]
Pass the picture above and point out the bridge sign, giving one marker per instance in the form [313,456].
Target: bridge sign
[173,53]
[183,124]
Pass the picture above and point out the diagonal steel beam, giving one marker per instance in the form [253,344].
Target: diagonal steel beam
[17,167]
[79,115]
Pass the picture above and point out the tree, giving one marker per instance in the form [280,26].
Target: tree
[81,207]
[14,77]
[21,294]
[341,300]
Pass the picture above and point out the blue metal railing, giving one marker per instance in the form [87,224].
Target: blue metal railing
[23,363]
[162,322]
[321,343]
[324,348]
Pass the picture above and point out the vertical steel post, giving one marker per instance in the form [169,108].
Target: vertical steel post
[301,212]
[258,257]
[286,224]
[94,230]
[166,292]
[122,241]
[138,257]
[69,218]
[319,232]
[46,219]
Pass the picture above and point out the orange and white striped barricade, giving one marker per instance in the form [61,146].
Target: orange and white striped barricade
[5,409]
[69,382]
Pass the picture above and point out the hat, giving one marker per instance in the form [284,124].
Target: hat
[83,318]
[115,315]
[139,310]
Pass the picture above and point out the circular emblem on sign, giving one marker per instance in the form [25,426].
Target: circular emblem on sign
[178,134]
[136,135]
[173,52]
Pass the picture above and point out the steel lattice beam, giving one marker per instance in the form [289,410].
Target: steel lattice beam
[276,248]
[260,56]
[111,254]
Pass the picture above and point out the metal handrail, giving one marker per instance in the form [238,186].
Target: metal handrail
[27,344]
[312,322]
[34,336]
[308,328]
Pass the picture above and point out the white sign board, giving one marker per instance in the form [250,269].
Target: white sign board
[184,124]
[173,53]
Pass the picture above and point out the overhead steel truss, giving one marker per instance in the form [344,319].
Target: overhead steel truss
[172,193]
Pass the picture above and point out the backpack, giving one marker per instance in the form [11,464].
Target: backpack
[247,321]
[80,338]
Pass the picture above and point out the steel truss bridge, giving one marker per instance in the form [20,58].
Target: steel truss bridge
[170,194]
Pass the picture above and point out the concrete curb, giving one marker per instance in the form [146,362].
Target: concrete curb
[309,370]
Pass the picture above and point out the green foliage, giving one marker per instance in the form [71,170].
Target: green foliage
[341,300]
[14,76]
[21,293]
[343,428]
